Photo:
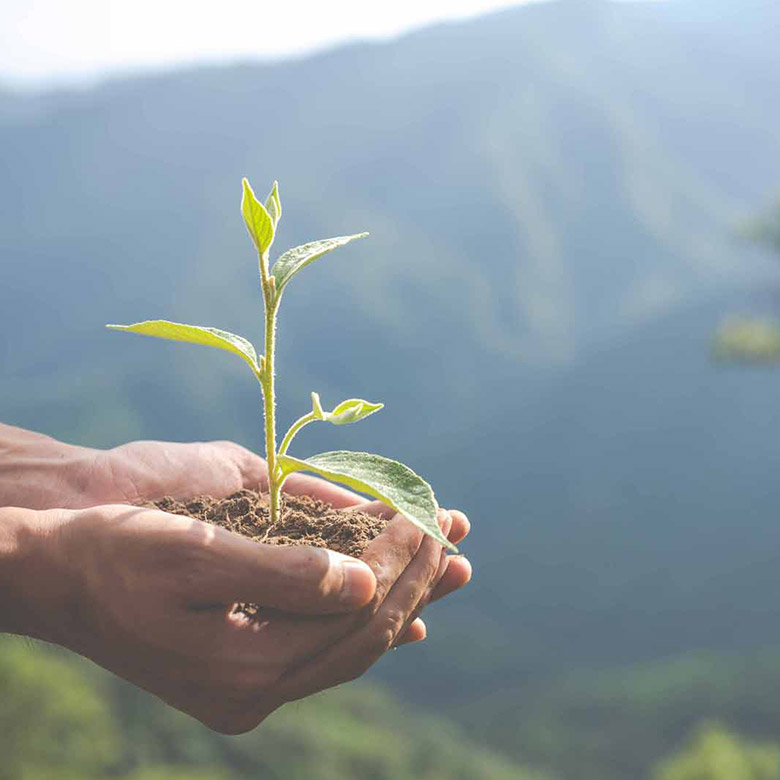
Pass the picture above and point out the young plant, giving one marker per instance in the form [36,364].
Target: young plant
[391,482]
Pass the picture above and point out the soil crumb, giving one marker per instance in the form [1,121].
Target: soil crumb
[303,520]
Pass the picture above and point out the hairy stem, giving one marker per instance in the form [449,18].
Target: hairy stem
[269,391]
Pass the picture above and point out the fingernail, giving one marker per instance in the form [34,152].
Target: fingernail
[358,582]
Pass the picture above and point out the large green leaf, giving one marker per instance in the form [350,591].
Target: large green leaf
[288,264]
[391,482]
[258,221]
[210,337]
[349,411]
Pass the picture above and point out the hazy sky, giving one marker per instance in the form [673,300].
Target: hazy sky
[43,41]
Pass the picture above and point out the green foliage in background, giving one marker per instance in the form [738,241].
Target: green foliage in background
[619,723]
[748,340]
[766,229]
[753,339]
[64,719]
[174,773]
[715,753]
[53,724]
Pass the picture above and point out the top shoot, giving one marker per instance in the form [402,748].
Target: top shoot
[391,482]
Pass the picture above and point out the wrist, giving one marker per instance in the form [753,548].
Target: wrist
[38,472]
[36,588]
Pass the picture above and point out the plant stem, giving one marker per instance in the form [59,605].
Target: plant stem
[294,428]
[269,392]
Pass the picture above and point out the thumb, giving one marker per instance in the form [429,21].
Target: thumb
[299,579]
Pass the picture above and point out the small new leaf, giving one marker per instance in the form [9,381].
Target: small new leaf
[349,411]
[293,260]
[210,337]
[391,482]
[273,205]
[258,221]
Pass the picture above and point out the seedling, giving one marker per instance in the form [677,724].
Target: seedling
[391,482]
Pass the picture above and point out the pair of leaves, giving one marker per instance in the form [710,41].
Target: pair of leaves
[261,221]
[350,411]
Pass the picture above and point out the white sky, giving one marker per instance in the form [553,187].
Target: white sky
[56,41]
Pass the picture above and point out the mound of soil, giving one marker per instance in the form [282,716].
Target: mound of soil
[303,520]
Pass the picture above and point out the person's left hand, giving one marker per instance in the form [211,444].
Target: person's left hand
[38,472]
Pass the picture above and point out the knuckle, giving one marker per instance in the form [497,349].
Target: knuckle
[431,568]
[384,633]
[311,566]
[370,610]
[411,539]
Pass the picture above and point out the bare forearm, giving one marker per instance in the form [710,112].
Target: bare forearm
[36,471]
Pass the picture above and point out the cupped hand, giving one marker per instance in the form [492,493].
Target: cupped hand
[148,470]
[38,472]
[151,595]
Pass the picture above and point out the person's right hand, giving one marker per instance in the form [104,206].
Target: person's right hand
[149,596]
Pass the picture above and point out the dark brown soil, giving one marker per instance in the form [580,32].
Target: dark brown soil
[304,520]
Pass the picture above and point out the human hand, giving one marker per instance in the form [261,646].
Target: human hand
[38,472]
[149,596]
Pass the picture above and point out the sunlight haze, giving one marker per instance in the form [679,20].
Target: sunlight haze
[54,42]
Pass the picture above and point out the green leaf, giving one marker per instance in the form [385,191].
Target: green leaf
[349,411]
[258,221]
[293,260]
[273,205]
[391,482]
[210,337]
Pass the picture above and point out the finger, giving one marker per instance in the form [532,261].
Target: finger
[416,632]
[228,568]
[306,485]
[392,551]
[388,556]
[460,526]
[424,600]
[252,468]
[356,653]
[457,574]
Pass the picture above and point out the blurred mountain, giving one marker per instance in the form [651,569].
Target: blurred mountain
[552,193]
[536,182]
